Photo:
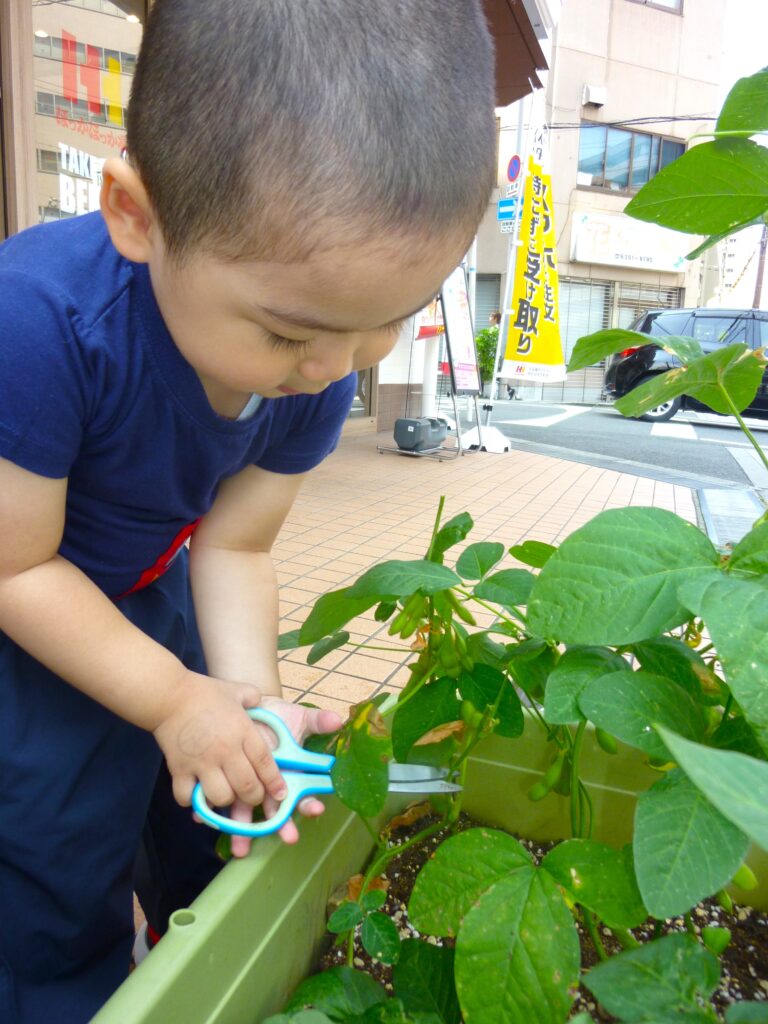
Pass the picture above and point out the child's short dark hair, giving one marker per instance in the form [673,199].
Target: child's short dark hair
[253,123]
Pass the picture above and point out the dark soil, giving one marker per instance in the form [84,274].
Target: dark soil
[744,963]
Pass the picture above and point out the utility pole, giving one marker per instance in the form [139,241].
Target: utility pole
[760,268]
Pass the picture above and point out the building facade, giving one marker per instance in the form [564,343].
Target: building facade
[629,82]
[65,79]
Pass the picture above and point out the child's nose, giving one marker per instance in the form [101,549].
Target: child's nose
[331,361]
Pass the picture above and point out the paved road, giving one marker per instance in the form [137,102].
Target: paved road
[694,449]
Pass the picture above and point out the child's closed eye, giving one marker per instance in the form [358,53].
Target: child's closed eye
[278,341]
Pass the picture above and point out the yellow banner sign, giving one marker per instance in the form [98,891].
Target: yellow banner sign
[533,350]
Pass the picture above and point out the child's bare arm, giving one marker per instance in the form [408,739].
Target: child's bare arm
[60,617]
[233,578]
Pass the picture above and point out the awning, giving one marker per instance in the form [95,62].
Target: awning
[518,54]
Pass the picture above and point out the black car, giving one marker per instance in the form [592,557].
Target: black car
[712,328]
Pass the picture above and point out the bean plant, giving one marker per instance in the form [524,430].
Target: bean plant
[637,627]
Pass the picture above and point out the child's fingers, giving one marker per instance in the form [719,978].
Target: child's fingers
[262,762]
[182,789]
[218,792]
[321,720]
[246,784]
[240,811]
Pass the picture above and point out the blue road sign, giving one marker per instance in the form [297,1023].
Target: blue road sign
[508,209]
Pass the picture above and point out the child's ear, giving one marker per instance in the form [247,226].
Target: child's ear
[126,208]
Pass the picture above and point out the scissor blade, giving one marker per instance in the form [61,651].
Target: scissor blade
[414,772]
[425,786]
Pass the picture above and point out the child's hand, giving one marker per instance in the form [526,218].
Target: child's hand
[209,737]
[302,722]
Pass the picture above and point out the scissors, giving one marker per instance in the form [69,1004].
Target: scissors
[307,773]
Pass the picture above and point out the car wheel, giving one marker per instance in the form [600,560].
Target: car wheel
[662,412]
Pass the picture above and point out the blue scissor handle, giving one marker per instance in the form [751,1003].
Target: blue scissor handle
[307,774]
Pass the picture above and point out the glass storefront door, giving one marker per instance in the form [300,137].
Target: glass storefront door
[84,55]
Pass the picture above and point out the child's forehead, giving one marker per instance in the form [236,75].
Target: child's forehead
[346,288]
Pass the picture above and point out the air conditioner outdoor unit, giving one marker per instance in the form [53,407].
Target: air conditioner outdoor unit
[594,96]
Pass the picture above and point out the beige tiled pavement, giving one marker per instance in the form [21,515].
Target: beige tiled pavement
[361,507]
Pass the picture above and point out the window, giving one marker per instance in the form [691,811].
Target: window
[621,160]
[44,103]
[720,330]
[48,161]
[665,5]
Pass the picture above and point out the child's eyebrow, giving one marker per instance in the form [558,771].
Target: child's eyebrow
[298,320]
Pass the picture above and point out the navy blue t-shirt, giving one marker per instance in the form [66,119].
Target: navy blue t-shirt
[92,387]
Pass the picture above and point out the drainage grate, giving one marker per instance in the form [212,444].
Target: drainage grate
[728,514]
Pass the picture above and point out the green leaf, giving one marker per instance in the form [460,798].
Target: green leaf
[380,938]
[669,657]
[751,552]
[330,613]
[482,686]
[475,561]
[360,776]
[746,105]
[302,1017]
[709,189]
[615,579]
[627,704]
[599,878]
[517,954]
[735,367]
[736,615]
[592,348]
[326,645]
[663,979]
[747,1013]
[461,868]
[453,532]
[736,784]
[434,704]
[510,588]
[714,239]
[288,641]
[345,917]
[481,648]
[373,899]
[423,979]
[532,552]
[685,850]
[737,734]
[530,664]
[577,667]
[686,349]
[401,579]
[340,992]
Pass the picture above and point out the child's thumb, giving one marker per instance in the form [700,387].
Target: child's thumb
[249,695]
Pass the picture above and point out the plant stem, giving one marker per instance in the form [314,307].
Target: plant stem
[577,821]
[733,133]
[597,942]
[626,938]
[745,430]
[489,607]
[689,924]
[587,807]
[378,866]
[436,526]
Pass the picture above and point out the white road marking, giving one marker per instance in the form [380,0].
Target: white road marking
[550,421]
[681,431]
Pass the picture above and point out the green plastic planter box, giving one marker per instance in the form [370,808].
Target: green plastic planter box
[237,953]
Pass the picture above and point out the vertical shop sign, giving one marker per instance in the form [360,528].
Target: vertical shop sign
[532,346]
